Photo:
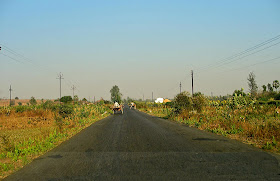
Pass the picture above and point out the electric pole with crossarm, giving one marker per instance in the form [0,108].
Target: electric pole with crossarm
[192,81]
[10,95]
[60,76]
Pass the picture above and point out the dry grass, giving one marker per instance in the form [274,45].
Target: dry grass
[28,133]
[256,125]
[28,119]
[6,102]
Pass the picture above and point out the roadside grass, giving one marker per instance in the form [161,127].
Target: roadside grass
[257,125]
[27,134]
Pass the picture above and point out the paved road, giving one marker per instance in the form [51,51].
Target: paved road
[136,146]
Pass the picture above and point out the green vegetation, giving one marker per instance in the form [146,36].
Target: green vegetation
[27,132]
[66,99]
[252,118]
[33,101]
[240,117]
[253,88]
[115,94]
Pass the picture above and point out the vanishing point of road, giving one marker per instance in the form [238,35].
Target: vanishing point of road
[137,146]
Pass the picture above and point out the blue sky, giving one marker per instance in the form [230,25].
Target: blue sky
[141,46]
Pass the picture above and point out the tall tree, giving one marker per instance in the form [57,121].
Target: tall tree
[115,94]
[269,87]
[264,88]
[66,99]
[275,84]
[252,84]
[33,101]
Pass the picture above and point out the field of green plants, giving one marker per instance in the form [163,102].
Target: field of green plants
[27,132]
[240,117]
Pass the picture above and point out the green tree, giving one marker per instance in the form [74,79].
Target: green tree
[239,92]
[275,84]
[16,98]
[253,88]
[264,88]
[115,94]
[199,101]
[33,101]
[269,87]
[66,99]
[76,98]
[182,101]
[84,100]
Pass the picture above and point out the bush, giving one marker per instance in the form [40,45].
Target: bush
[66,110]
[49,105]
[13,102]
[170,104]
[182,101]
[199,102]
[66,99]
[33,101]
[276,102]
[277,96]
[239,92]
[21,108]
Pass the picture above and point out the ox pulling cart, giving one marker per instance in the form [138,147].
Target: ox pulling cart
[132,105]
[117,108]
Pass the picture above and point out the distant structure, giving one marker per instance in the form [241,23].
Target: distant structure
[162,100]
[159,100]
[166,100]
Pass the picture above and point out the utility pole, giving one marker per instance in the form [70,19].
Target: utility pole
[73,88]
[180,87]
[10,95]
[192,81]
[60,76]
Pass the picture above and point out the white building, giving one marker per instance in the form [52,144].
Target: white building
[159,100]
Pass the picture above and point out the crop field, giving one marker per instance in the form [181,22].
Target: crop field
[27,132]
[240,118]
[6,102]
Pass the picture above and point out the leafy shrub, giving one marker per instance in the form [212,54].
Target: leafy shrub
[170,104]
[66,99]
[199,102]
[66,110]
[33,101]
[48,104]
[13,102]
[239,92]
[182,101]
[277,96]
[19,103]
[21,108]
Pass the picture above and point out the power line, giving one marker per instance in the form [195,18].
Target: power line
[234,60]
[243,52]
[270,60]
[23,58]
[11,57]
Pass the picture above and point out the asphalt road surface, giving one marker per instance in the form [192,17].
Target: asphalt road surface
[136,146]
